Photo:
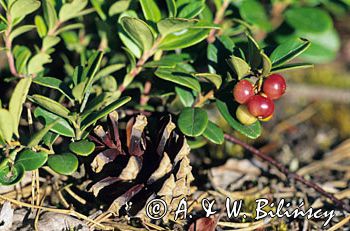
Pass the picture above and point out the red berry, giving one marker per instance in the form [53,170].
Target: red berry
[260,106]
[274,86]
[243,91]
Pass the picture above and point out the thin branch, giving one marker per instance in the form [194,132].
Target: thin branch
[289,175]
[8,44]
[218,19]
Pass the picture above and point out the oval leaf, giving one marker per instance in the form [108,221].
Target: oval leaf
[253,131]
[6,125]
[51,105]
[193,121]
[10,176]
[214,133]
[65,164]
[150,10]
[181,78]
[82,148]
[31,160]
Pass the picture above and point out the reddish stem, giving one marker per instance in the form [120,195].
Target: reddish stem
[218,19]
[289,175]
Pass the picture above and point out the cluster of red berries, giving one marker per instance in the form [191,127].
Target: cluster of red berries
[258,105]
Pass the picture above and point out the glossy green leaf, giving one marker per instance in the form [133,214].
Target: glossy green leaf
[38,136]
[95,104]
[307,19]
[193,121]
[288,51]
[119,7]
[62,127]
[50,138]
[217,53]
[6,125]
[192,9]
[168,61]
[197,142]
[214,133]
[51,105]
[183,39]
[253,12]
[72,9]
[37,62]
[139,31]
[239,66]
[181,78]
[171,4]
[49,42]
[11,175]
[213,78]
[65,164]
[78,91]
[171,25]
[185,96]
[253,131]
[150,10]
[93,117]
[82,148]
[292,66]
[31,160]
[90,71]
[17,100]
[40,26]
[21,30]
[21,8]
[54,83]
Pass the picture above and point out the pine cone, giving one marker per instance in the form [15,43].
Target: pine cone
[133,168]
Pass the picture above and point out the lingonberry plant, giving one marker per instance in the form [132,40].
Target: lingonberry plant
[71,64]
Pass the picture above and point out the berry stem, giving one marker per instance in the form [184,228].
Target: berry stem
[287,173]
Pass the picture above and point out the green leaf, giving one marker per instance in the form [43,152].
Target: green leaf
[72,9]
[108,70]
[21,8]
[168,61]
[38,136]
[253,12]
[70,27]
[93,66]
[307,19]
[3,27]
[139,31]
[192,9]
[82,148]
[6,125]
[17,100]
[119,7]
[10,176]
[36,64]
[40,26]
[97,4]
[150,10]
[289,67]
[214,133]
[267,65]
[254,56]
[62,127]
[50,14]
[171,8]
[50,138]
[93,117]
[183,39]
[196,142]
[253,131]
[56,84]
[22,55]
[126,39]
[324,47]
[49,42]
[65,164]
[239,66]
[288,51]
[31,160]
[213,78]
[171,25]
[185,96]
[193,121]
[20,30]
[78,91]
[217,54]
[181,78]
[51,105]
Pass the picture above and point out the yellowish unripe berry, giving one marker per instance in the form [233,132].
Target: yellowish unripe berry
[244,116]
